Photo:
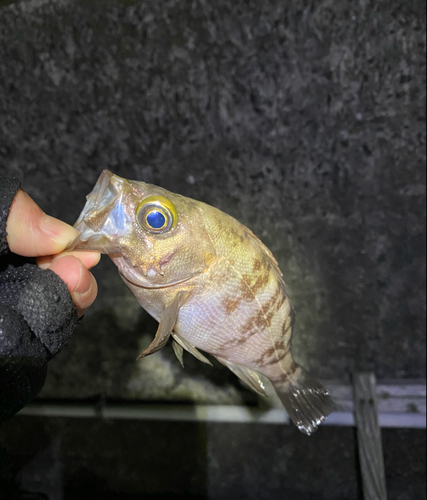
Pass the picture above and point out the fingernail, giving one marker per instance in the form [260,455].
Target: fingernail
[84,294]
[58,231]
[44,262]
[83,286]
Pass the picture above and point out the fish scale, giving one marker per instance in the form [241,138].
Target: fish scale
[208,280]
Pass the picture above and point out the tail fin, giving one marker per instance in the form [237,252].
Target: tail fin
[305,399]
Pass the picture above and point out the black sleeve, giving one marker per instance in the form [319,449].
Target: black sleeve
[37,318]
[8,188]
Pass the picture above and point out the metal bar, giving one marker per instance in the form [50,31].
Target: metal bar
[369,437]
[205,413]
[394,397]
[401,405]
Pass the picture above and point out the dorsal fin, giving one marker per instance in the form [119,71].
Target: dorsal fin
[265,250]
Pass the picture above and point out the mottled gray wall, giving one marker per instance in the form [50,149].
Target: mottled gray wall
[303,119]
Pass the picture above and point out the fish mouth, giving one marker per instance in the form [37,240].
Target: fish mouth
[133,276]
[103,218]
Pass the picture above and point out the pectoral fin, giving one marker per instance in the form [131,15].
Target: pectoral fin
[166,325]
[248,376]
[179,352]
[190,348]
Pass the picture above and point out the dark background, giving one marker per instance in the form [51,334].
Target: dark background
[303,119]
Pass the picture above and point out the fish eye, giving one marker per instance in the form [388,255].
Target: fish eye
[157,214]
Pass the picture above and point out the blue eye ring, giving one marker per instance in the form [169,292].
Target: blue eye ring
[156,214]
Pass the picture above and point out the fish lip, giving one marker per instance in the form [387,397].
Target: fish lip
[84,245]
[100,204]
[94,198]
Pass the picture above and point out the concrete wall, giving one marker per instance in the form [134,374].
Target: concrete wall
[303,119]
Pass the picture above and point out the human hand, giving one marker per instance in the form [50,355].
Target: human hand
[32,233]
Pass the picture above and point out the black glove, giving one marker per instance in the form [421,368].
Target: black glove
[37,318]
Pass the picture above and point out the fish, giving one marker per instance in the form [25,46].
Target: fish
[212,285]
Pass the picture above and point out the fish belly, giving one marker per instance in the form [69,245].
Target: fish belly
[239,325]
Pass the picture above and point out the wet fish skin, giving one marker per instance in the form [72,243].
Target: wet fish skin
[211,284]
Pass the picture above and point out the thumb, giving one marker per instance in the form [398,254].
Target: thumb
[32,233]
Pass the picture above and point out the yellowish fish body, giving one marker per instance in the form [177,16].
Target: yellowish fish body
[208,280]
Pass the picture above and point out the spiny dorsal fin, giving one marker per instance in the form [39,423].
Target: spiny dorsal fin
[265,250]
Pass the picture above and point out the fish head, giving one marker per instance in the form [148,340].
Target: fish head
[155,237]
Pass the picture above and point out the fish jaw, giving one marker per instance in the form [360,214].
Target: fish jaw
[102,221]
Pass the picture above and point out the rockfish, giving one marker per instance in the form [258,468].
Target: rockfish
[209,282]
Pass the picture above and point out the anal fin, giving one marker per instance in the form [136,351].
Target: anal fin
[248,376]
